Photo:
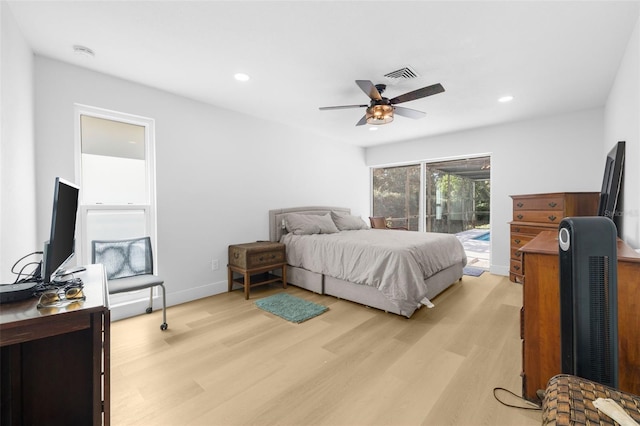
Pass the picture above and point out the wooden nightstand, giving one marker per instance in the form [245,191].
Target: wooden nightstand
[255,261]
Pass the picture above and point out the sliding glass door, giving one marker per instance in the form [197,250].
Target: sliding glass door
[396,195]
[454,195]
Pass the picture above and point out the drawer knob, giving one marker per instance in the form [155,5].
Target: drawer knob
[517,241]
[552,218]
[520,216]
[516,267]
[516,229]
[261,257]
[518,254]
[552,204]
[520,204]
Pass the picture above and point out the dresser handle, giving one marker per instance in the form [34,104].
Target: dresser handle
[552,218]
[261,258]
[519,204]
[518,254]
[517,241]
[236,255]
[520,216]
[516,267]
[552,204]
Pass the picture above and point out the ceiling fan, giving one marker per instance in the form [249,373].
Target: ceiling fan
[380,110]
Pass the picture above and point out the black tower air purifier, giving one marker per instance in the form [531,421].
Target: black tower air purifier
[589,298]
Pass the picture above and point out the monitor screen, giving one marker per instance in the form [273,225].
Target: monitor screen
[612,183]
[60,247]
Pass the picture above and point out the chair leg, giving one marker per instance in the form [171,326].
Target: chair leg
[164,325]
[150,307]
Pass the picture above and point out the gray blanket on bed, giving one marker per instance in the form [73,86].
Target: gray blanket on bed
[395,262]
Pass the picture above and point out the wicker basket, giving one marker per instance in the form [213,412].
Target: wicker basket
[569,400]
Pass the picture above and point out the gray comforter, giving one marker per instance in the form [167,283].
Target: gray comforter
[395,262]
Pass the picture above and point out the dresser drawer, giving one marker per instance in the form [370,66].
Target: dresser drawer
[256,255]
[516,254]
[515,266]
[539,203]
[520,228]
[541,216]
[518,240]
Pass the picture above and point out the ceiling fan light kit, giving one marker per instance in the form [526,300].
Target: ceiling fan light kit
[381,110]
[379,114]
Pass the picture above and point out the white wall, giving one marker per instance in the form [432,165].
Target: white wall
[552,154]
[17,167]
[622,123]
[218,172]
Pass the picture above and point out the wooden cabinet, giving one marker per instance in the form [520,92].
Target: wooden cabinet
[55,361]
[534,213]
[254,261]
[540,318]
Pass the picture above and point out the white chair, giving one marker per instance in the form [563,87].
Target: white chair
[129,267]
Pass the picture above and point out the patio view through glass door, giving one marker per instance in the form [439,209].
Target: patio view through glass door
[447,196]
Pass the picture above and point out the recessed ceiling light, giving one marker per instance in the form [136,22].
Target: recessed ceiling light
[241,76]
[373,128]
[507,98]
[83,51]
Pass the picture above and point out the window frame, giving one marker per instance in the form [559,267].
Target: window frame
[84,249]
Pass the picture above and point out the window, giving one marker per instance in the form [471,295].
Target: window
[116,172]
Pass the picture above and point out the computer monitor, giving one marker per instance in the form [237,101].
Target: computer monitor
[611,200]
[61,245]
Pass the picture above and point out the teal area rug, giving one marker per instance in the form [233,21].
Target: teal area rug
[290,307]
[472,271]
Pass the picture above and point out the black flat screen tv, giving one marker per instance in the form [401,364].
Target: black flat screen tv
[61,245]
[611,199]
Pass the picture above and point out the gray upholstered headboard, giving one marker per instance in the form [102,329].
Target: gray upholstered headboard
[276,217]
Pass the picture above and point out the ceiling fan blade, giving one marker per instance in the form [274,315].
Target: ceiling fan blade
[369,88]
[408,112]
[342,107]
[417,94]
[362,121]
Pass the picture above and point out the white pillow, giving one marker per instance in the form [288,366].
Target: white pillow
[347,222]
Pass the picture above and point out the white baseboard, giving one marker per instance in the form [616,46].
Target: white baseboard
[499,270]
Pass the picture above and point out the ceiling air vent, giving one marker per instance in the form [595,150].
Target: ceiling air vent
[397,76]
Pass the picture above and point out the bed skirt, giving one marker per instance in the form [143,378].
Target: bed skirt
[366,295]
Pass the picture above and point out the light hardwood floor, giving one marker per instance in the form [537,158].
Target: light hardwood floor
[225,362]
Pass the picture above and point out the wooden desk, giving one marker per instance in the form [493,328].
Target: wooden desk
[540,315]
[55,361]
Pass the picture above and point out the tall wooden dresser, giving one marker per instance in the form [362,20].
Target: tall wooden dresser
[534,213]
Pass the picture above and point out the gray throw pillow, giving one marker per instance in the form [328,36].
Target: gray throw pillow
[308,224]
[347,222]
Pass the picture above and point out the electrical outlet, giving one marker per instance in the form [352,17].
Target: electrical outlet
[215,265]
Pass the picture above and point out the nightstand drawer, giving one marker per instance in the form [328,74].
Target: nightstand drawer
[256,260]
[256,255]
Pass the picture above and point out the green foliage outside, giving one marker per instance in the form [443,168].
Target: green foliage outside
[452,204]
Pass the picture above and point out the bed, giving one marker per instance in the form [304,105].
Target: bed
[331,252]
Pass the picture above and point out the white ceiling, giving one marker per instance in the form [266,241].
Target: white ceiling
[552,56]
